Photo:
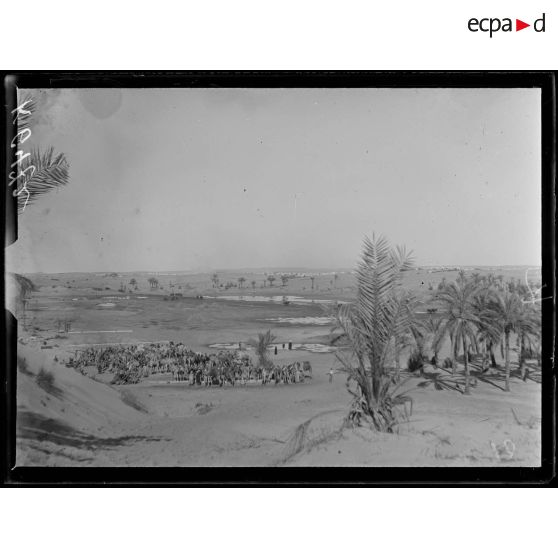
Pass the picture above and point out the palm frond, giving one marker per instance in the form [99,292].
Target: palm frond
[51,172]
[379,307]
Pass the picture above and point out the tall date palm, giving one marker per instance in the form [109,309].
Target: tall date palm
[460,320]
[508,309]
[371,324]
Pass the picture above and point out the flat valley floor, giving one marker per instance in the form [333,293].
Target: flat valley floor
[84,420]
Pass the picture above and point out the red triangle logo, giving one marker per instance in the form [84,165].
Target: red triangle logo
[519,25]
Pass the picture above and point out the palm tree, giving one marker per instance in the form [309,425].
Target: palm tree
[432,326]
[460,320]
[24,287]
[461,277]
[312,279]
[529,332]
[284,280]
[215,280]
[271,279]
[412,326]
[261,347]
[370,325]
[253,283]
[335,277]
[241,281]
[153,282]
[133,282]
[507,310]
[488,332]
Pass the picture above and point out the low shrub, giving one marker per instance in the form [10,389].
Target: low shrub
[45,380]
[23,367]
[127,377]
[131,400]
[529,353]
[415,361]
[203,408]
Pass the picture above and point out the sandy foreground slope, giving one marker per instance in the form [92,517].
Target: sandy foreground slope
[75,420]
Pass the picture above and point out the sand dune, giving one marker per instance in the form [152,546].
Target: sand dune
[81,421]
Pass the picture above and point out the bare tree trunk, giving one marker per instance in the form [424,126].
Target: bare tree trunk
[454,355]
[507,357]
[466,361]
[493,362]
[522,356]
[484,356]
[397,359]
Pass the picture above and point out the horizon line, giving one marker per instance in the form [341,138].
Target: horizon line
[262,269]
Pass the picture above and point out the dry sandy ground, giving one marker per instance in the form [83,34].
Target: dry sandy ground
[78,421]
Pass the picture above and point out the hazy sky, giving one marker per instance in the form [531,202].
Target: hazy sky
[227,178]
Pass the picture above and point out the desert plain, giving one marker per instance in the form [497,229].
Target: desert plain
[68,417]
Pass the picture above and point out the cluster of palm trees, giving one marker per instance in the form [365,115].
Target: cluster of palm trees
[241,281]
[475,313]
[479,314]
